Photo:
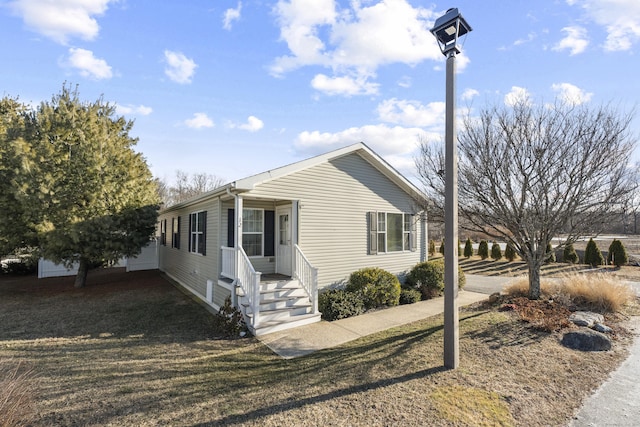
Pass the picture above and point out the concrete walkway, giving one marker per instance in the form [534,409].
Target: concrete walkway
[307,339]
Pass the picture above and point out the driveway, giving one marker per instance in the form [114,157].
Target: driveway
[486,284]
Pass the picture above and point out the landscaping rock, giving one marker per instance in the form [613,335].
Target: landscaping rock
[586,318]
[494,297]
[586,340]
[600,327]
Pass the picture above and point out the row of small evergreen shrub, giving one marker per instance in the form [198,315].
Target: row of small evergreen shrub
[617,254]
[373,288]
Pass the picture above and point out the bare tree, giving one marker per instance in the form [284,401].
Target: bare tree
[187,186]
[528,174]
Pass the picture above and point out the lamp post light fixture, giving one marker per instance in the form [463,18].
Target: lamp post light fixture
[447,30]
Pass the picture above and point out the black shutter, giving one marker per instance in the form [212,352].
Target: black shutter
[373,233]
[189,234]
[178,235]
[269,233]
[204,233]
[231,227]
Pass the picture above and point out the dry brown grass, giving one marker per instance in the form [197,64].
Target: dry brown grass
[133,350]
[596,292]
[17,389]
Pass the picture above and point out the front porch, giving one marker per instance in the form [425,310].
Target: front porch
[262,236]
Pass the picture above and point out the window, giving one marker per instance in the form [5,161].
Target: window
[197,233]
[391,232]
[253,231]
[175,233]
[163,232]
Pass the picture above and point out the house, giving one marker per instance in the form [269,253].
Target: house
[272,240]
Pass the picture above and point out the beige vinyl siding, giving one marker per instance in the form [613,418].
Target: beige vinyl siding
[193,270]
[334,200]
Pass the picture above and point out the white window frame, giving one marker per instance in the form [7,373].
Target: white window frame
[383,232]
[254,233]
[193,232]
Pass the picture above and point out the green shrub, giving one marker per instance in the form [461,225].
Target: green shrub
[569,254]
[432,247]
[550,254]
[468,248]
[496,252]
[592,254]
[428,278]
[337,304]
[409,296]
[21,267]
[377,287]
[483,249]
[617,254]
[509,252]
[442,246]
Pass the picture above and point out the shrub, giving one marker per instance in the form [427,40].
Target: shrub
[592,254]
[409,296]
[442,247]
[496,252]
[468,248]
[569,254]
[377,287]
[550,253]
[428,278]
[483,249]
[432,247]
[337,304]
[509,252]
[231,320]
[22,267]
[617,254]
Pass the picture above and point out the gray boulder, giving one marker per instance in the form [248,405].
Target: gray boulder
[600,327]
[586,340]
[586,318]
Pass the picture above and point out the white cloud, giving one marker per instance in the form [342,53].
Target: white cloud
[353,41]
[571,94]
[179,68]
[61,19]
[344,85]
[575,40]
[382,139]
[231,15]
[517,95]
[199,121]
[133,109]
[405,82]
[411,113]
[469,94]
[620,18]
[88,65]
[253,124]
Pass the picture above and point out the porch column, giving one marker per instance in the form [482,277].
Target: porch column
[295,205]
[237,235]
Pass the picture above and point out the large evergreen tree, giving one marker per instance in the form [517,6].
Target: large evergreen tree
[89,197]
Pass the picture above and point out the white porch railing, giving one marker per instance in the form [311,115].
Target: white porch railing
[307,275]
[245,276]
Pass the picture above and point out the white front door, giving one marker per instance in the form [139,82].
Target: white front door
[284,248]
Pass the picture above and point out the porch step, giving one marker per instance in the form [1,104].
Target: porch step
[283,304]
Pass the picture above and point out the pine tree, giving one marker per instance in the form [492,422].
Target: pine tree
[432,247]
[569,254]
[592,254]
[496,252]
[468,248]
[483,249]
[510,253]
[550,254]
[90,195]
[617,254]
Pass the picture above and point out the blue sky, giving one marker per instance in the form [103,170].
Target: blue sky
[234,88]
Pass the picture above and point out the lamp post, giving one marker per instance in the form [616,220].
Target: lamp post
[447,29]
